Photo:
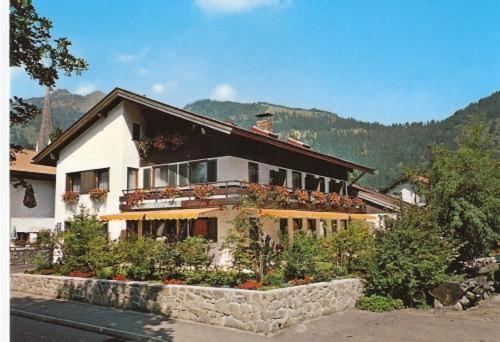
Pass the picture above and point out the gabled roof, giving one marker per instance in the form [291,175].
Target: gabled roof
[376,197]
[118,94]
[402,179]
[24,164]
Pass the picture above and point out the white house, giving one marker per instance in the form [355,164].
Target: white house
[135,149]
[31,206]
[402,188]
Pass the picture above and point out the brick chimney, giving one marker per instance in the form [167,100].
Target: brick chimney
[264,125]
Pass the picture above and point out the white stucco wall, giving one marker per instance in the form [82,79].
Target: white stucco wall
[107,144]
[44,195]
[407,194]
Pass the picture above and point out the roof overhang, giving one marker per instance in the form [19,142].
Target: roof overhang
[48,155]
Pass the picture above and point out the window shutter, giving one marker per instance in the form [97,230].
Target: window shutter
[87,181]
[212,171]
[68,182]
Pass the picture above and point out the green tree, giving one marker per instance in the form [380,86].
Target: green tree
[85,246]
[409,259]
[463,192]
[42,57]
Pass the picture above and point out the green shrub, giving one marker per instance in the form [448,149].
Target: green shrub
[410,258]
[300,256]
[275,278]
[145,258]
[85,246]
[194,252]
[105,273]
[379,303]
[323,271]
[350,250]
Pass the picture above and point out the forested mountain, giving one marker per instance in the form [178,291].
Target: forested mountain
[389,149]
[66,109]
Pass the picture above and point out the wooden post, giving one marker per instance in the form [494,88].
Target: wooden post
[139,229]
[289,224]
[177,228]
[304,225]
[318,228]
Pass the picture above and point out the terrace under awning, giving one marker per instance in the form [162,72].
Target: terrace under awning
[325,215]
[173,214]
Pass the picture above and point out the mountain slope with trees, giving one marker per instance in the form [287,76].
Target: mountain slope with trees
[388,148]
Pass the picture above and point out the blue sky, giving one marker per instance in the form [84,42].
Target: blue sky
[385,61]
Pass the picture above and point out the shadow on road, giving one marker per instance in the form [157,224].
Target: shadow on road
[128,321]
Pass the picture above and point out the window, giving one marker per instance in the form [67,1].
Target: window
[183,174]
[336,186]
[283,227]
[296,180]
[335,226]
[253,172]
[311,225]
[203,172]
[136,131]
[102,179]
[161,176]
[297,224]
[311,182]
[321,186]
[83,181]
[172,175]
[204,227]
[277,177]
[146,178]
[132,179]
[73,182]
[198,172]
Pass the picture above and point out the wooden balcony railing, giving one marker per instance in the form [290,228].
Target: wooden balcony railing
[228,193]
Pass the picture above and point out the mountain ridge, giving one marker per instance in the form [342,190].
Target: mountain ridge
[388,148]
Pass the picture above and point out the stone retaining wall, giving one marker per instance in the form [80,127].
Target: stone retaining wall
[21,255]
[264,312]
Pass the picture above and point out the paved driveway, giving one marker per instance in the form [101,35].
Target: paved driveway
[478,324]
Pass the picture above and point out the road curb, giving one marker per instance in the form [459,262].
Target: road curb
[130,336]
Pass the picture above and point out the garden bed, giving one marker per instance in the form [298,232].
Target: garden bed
[264,312]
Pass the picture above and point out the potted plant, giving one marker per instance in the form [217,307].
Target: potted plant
[98,195]
[346,201]
[136,197]
[358,202]
[203,191]
[171,192]
[257,192]
[70,197]
[281,195]
[318,198]
[333,199]
[301,196]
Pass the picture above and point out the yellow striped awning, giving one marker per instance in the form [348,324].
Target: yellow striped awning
[282,213]
[132,215]
[159,214]
[178,213]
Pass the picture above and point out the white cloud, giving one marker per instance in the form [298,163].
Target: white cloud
[130,57]
[85,89]
[234,6]
[223,92]
[159,88]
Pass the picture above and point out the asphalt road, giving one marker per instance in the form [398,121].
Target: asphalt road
[25,330]
[481,323]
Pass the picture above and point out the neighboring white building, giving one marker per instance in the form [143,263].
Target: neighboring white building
[102,150]
[27,220]
[402,188]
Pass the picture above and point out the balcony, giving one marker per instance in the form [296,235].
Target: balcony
[231,193]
